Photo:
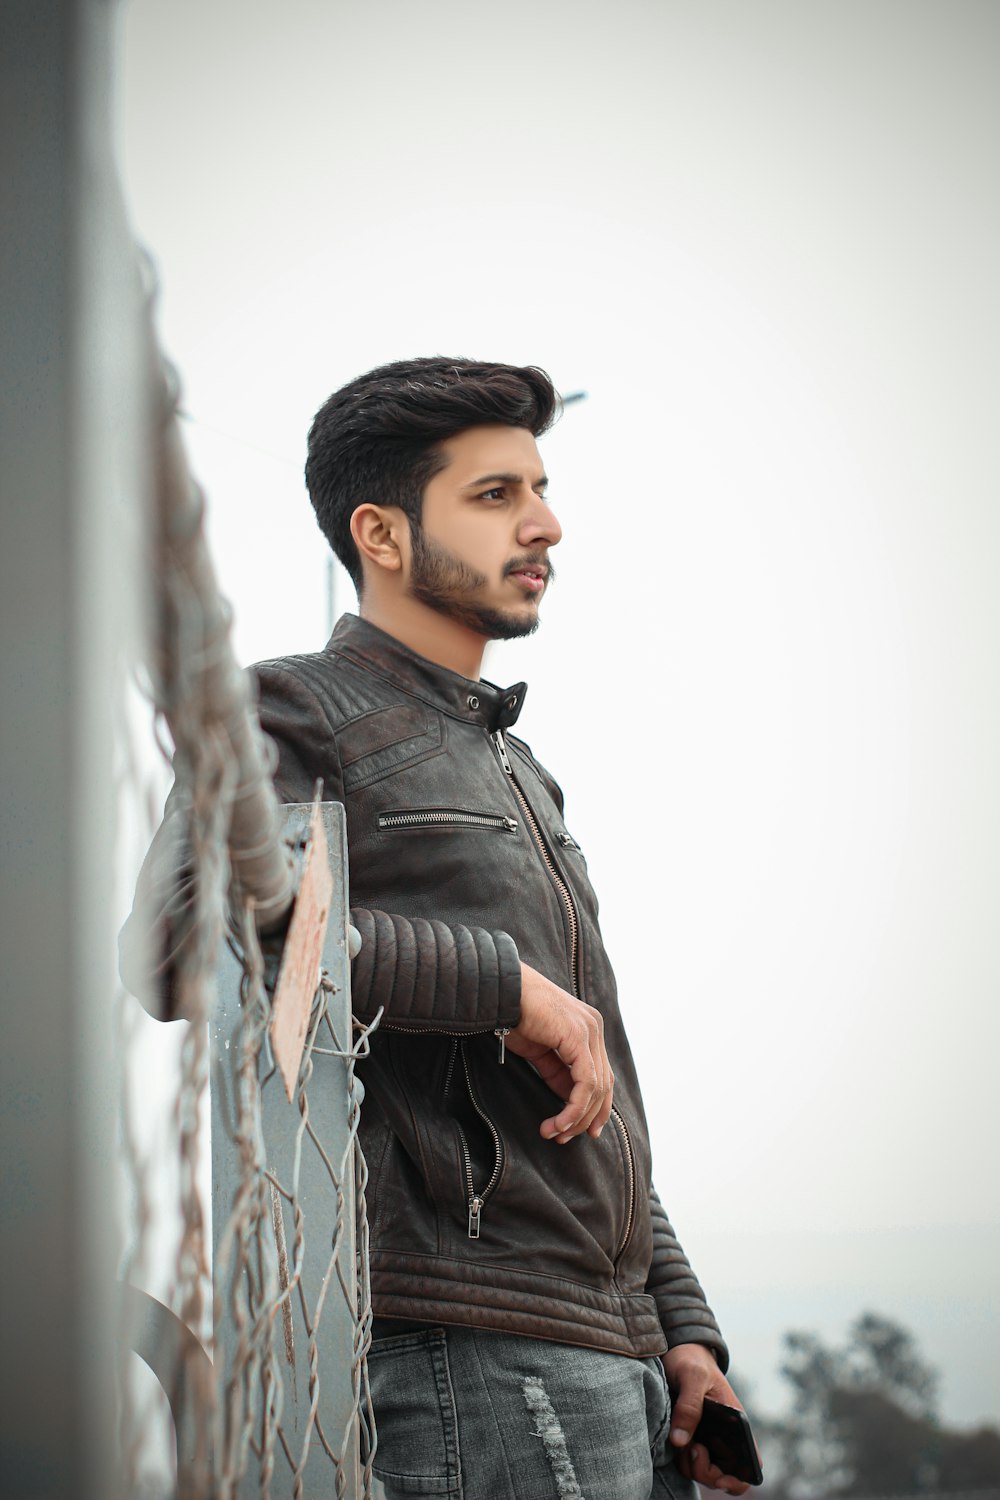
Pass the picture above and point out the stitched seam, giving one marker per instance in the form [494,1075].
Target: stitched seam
[401,739]
[508,1458]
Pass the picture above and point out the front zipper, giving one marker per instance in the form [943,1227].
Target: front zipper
[630,1179]
[563,890]
[475,1199]
[446,817]
[561,887]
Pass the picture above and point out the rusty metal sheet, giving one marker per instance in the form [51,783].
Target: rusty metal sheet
[298,975]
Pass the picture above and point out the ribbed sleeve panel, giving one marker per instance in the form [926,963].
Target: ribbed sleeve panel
[429,976]
[684,1313]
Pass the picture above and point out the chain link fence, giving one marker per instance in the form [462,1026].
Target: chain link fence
[251,1194]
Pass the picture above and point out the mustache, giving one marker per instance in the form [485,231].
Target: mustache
[532,560]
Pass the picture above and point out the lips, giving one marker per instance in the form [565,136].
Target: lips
[530,578]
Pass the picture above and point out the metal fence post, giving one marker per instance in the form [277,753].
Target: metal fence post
[73,498]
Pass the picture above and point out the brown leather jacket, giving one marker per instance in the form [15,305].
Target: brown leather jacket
[460,865]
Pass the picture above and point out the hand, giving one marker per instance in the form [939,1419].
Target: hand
[692,1374]
[564,1039]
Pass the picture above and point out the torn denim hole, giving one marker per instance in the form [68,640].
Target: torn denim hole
[548,1429]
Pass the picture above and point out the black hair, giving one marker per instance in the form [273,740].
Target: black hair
[378,438]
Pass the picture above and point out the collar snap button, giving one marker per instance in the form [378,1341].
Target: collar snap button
[512,701]
[473,701]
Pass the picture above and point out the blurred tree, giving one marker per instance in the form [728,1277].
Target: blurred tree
[969,1460]
[863,1420]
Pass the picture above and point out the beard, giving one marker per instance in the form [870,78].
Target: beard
[445,583]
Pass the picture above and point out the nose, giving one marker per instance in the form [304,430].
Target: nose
[539,524]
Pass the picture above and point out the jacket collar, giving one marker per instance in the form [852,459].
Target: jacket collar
[473,702]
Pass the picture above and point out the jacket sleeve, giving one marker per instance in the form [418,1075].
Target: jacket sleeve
[433,977]
[684,1313]
[429,976]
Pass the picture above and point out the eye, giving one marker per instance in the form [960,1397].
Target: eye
[494,494]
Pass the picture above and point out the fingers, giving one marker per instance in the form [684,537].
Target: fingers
[556,1076]
[566,1026]
[574,1120]
[603,1115]
[695,1462]
[554,1073]
[585,1114]
[686,1413]
[589,1104]
[692,1374]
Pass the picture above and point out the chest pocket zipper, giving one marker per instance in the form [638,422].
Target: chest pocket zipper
[446,817]
[475,1197]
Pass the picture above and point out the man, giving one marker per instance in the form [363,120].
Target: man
[531,1302]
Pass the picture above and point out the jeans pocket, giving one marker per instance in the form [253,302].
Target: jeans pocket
[415,1416]
[658,1411]
[668,1481]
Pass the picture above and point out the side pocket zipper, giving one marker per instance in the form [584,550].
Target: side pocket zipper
[475,1198]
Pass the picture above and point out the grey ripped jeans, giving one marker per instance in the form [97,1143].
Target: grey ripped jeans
[470,1415]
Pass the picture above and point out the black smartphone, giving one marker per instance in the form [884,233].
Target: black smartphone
[725,1431]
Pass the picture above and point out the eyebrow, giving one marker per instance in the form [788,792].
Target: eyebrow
[504,479]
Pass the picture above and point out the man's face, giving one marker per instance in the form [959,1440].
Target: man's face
[481,554]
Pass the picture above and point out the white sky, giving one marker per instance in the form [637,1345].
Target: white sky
[764,238]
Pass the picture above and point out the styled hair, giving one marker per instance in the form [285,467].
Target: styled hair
[378,438]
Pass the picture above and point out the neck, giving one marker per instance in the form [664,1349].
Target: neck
[434,636]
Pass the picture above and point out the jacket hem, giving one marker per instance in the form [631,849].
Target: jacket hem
[432,1290]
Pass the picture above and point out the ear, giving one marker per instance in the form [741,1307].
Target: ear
[382,535]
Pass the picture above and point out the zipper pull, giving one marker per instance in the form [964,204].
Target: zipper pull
[475,1214]
[502,751]
[501,1036]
